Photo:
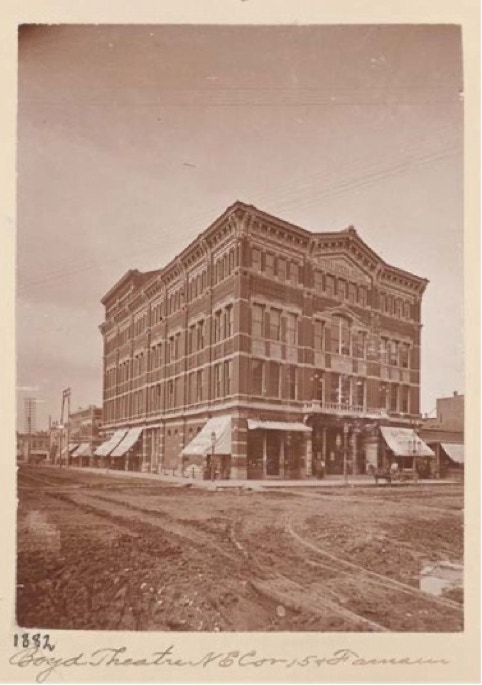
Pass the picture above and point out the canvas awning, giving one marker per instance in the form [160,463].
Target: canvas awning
[294,426]
[106,448]
[202,443]
[454,450]
[127,442]
[404,442]
[71,447]
[83,450]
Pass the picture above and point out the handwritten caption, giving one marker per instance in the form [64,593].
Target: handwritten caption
[112,657]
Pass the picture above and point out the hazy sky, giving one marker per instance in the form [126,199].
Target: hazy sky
[131,140]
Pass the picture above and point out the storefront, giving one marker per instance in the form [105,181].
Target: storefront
[277,449]
[208,455]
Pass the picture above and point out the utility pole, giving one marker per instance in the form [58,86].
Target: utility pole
[30,421]
[65,401]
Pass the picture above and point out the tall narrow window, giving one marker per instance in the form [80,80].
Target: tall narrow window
[227,373]
[330,286]
[200,335]
[294,273]
[273,379]
[292,329]
[275,324]
[256,259]
[359,392]
[359,344]
[318,329]
[362,295]
[199,385]
[257,321]
[291,382]
[404,355]
[281,269]
[352,293]
[217,380]
[269,265]
[257,373]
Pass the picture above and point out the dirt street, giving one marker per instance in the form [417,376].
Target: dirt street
[99,552]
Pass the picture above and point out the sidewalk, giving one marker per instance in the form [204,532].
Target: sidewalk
[327,482]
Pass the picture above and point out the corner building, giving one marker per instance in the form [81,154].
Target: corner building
[264,350]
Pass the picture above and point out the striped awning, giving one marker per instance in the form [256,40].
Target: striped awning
[83,450]
[404,442]
[127,442]
[455,451]
[106,448]
[214,438]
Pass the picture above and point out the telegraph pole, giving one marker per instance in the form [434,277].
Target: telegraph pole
[65,401]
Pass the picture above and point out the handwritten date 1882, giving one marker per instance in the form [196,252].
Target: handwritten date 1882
[37,640]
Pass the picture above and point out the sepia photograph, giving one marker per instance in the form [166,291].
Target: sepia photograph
[240,328]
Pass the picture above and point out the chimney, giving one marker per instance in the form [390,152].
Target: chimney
[455,393]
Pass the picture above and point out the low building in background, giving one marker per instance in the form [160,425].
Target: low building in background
[263,351]
[33,448]
[84,435]
[445,435]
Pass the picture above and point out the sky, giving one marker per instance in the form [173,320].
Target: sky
[133,139]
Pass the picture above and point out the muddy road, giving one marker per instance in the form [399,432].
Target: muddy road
[99,552]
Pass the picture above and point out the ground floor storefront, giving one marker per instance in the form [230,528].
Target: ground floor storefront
[272,445]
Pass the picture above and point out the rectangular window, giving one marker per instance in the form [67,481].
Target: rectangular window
[362,296]
[383,302]
[359,344]
[341,289]
[231,261]
[294,273]
[318,382]
[394,397]
[228,365]
[257,321]
[292,329]
[257,370]
[199,385]
[269,265]
[228,321]
[275,324]
[190,340]
[404,355]
[200,335]
[359,392]
[217,326]
[335,388]
[318,278]
[291,382]
[256,259]
[217,380]
[330,286]
[404,399]
[171,394]
[281,269]
[393,353]
[352,293]
[318,330]
[384,350]
[273,380]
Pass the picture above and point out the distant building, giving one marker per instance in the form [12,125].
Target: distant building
[33,448]
[445,434]
[264,351]
[84,435]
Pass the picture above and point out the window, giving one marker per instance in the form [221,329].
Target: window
[200,335]
[340,389]
[190,340]
[398,308]
[340,335]
[269,265]
[171,349]
[384,350]
[171,394]
[406,310]
[199,385]
[359,392]
[330,286]
[404,351]
[228,365]
[404,399]
[231,261]
[359,344]
[292,329]
[318,385]
[275,324]
[228,321]
[362,296]
[256,259]
[257,321]
[318,331]
[217,380]
[352,293]
[190,387]
[291,382]
[383,302]
[383,396]
[318,281]
[273,379]
[393,353]
[281,269]
[294,273]
[257,370]
[341,289]
[217,326]
[394,397]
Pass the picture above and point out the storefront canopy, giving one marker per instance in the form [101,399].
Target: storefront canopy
[454,450]
[106,448]
[202,444]
[127,442]
[404,442]
[83,450]
[278,426]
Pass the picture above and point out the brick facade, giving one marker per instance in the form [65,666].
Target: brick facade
[260,319]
